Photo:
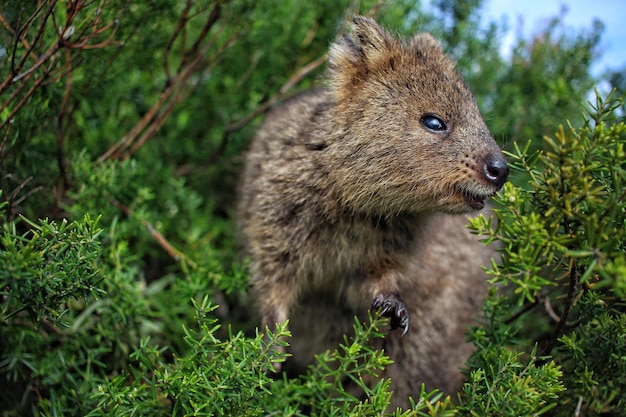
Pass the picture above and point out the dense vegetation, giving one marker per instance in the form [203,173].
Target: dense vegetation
[121,290]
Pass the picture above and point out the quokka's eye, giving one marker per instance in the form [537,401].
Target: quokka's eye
[434,123]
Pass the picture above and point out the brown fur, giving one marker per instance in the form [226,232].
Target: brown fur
[350,197]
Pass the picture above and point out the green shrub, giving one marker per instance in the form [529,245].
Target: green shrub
[563,255]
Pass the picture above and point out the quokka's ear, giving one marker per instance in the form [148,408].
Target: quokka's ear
[358,53]
[374,41]
[426,44]
[427,48]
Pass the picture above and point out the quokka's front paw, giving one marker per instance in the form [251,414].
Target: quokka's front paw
[393,307]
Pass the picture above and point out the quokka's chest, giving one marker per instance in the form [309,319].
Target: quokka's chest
[341,256]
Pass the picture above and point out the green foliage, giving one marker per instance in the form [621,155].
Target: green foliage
[594,358]
[503,384]
[502,379]
[328,386]
[212,378]
[563,240]
[46,266]
[224,378]
[568,223]
[546,83]
[121,128]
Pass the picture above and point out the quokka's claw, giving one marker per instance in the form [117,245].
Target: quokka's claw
[393,307]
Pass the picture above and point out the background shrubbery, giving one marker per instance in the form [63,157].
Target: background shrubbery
[121,291]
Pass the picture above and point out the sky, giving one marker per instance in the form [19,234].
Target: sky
[529,16]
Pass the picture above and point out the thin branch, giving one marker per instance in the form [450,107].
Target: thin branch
[40,31]
[158,237]
[579,406]
[206,28]
[8,27]
[13,95]
[283,92]
[166,108]
[23,101]
[569,303]
[180,26]
[60,73]
[13,200]
[41,61]
[63,114]
[4,140]
[117,149]
[153,128]
[44,63]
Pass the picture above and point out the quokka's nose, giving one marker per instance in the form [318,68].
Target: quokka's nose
[496,170]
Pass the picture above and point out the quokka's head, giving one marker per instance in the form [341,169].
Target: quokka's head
[414,139]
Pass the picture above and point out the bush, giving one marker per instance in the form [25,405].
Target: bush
[564,250]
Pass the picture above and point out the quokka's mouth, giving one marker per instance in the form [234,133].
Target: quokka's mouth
[476,201]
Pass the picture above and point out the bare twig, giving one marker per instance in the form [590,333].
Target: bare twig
[24,81]
[4,142]
[158,237]
[60,133]
[283,92]
[13,199]
[46,49]
[579,406]
[20,33]
[17,107]
[569,303]
[548,306]
[178,30]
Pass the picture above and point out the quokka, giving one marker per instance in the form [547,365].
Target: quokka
[356,195]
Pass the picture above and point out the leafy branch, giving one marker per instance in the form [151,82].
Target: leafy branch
[36,59]
[181,81]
